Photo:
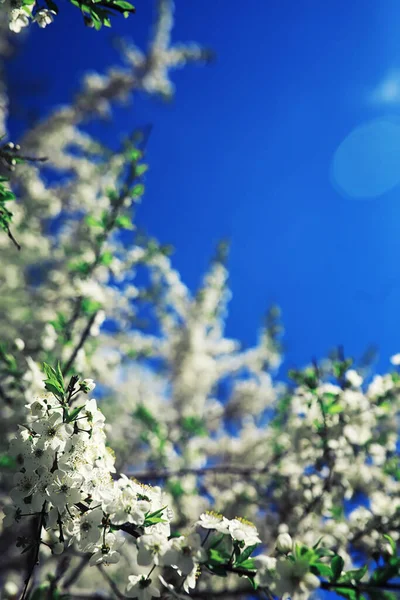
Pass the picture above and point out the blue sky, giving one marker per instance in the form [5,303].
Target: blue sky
[289,144]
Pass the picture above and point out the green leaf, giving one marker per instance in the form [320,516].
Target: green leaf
[89,306]
[126,6]
[141,169]
[354,575]
[106,258]
[154,517]
[137,191]
[348,593]
[334,409]
[112,195]
[337,563]
[40,593]
[7,462]
[319,568]
[153,521]
[124,222]
[144,415]
[337,512]
[59,323]
[135,154]
[59,375]
[218,556]
[320,552]
[194,425]
[245,554]
[80,266]
[248,564]
[55,381]
[389,571]
[92,222]
[253,583]
[71,416]
[175,489]
[391,541]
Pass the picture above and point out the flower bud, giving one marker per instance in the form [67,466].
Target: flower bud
[58,548]
[87,385]
[10,589]
[88,21]
[284,543]
[20,344]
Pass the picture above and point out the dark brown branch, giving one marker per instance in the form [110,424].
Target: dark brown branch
[77,571]
[110,582]
[82,340]
[36,549]
[153,474]
[361,587]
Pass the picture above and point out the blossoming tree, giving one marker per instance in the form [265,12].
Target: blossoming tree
[165,486]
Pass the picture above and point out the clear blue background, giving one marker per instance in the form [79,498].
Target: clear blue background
[245,151]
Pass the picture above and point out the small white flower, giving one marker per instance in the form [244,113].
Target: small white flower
[107,552]
[395,359]
[53,431]
[20,344]
[40,456]
[354,378]
[244,531]
[265,566]
[50,335]
[142,588]
[151,548]
[20,448]
[10,589]
[294,579]
[93,415]
[87,385]
[126,509]
[190,580]
[18,20]
[185,553]
[65,489]
[37,409]
[58,548]
[284,543]
[44,17]
[12,515]
[40,495]
[89,531]
[25,484]
[211,520]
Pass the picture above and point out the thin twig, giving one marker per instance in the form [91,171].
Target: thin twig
[110,582]
[224,469]
[35,559]
[82,340]
[77,571]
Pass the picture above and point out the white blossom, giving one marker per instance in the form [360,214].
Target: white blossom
[44,17]
[141,587]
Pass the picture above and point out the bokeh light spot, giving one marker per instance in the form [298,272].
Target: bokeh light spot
[367,162]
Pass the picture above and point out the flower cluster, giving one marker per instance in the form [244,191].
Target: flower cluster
[67,481]
[21,15]
[24,12]
[187,408]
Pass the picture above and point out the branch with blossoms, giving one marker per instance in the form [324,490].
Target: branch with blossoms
[10,156]
[67,484]
[95,14]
